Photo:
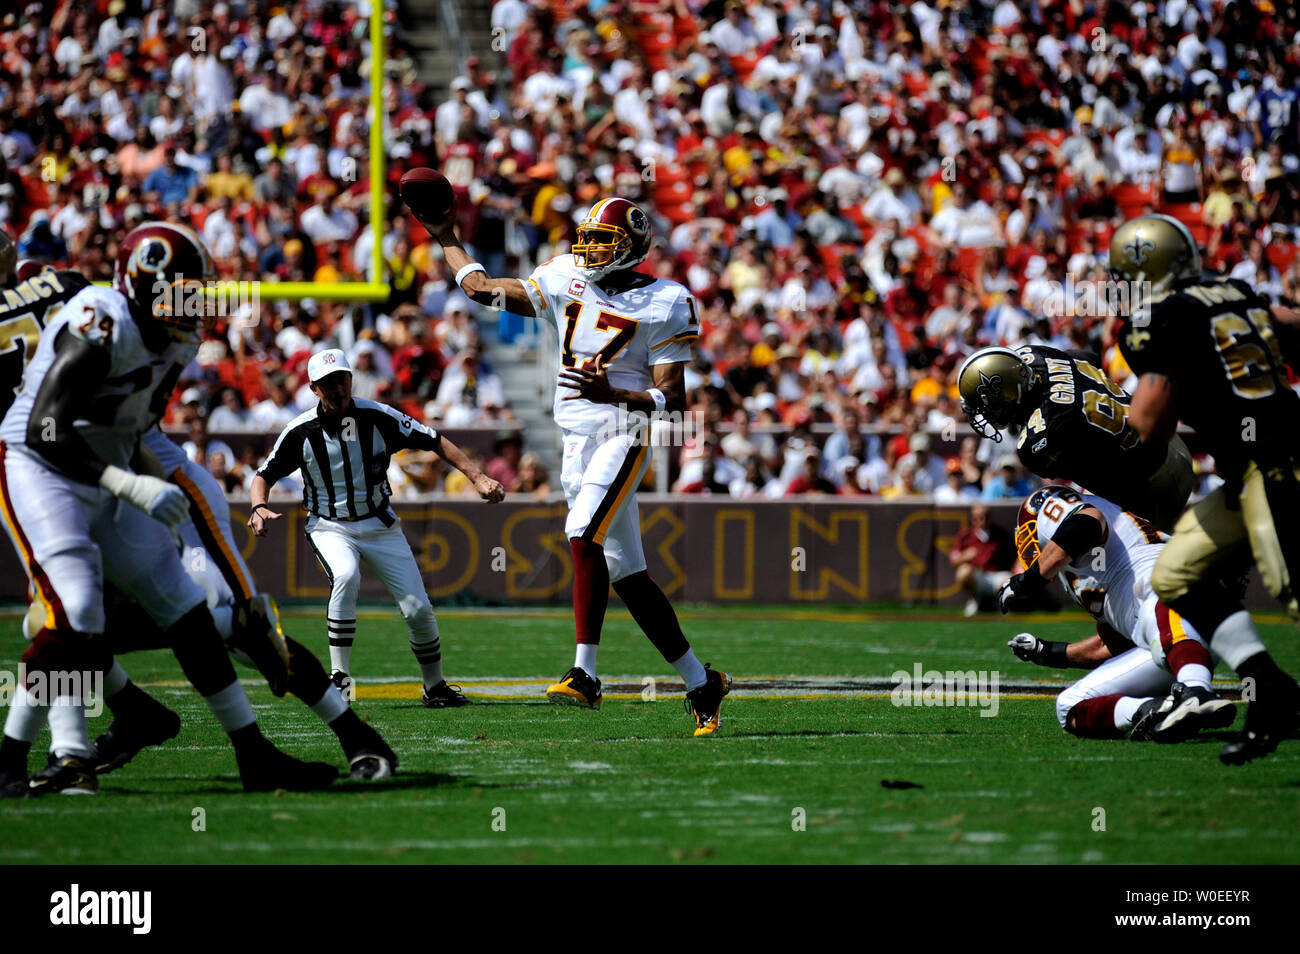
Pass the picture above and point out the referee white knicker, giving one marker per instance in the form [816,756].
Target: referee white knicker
[343,446]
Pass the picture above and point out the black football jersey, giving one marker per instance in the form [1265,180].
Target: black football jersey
[25,309]
[1080,430]
[1218,340]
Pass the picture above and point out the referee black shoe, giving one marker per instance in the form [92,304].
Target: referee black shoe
[443,696]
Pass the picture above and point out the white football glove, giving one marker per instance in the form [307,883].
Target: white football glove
[163,501]
[1026,646]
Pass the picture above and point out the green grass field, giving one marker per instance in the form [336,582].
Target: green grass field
[628,784]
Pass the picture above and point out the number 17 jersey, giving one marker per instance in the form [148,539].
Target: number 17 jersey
[651,321]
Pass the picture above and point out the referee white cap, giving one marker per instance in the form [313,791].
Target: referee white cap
[324,363]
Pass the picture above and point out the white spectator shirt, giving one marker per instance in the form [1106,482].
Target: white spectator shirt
[337,226]
[883,205]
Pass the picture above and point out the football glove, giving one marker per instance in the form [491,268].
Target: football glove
[1021,592]
[1026,646]
[161,500]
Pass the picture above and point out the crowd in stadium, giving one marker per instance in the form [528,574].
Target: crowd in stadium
[858,194]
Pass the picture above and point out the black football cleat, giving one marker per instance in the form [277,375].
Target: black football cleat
[443,696]
[264,768]
[13,785]
[369,756]
[152,724]
[705,703]
[370,768]
[68,775]
[1192,710]
[576,688]
[1147,715]
[1272,717]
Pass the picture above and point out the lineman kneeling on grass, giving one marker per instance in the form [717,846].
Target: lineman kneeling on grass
[1151,671]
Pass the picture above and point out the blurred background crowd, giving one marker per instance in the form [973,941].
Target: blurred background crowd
[858,193]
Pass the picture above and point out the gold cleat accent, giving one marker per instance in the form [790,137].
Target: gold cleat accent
[576,688]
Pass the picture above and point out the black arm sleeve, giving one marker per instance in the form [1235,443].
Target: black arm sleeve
[67,390]
[1078,534]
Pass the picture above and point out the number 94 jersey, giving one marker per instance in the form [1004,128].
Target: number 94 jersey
[135,391]
[652,321]
[1080,430]
[1113,580]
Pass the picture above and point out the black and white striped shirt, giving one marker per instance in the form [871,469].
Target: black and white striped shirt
[344,463]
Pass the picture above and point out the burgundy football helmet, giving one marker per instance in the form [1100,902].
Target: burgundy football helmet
[615,235]
[164,271]
[29,267]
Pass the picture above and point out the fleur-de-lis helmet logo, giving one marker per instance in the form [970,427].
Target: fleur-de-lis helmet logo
[1139,250]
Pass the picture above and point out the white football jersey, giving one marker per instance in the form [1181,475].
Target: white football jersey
[139,382]
[653,322]
[1113,580]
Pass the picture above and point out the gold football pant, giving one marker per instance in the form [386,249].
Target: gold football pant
[1215,540]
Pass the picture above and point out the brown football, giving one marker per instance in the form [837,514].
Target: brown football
[428,194]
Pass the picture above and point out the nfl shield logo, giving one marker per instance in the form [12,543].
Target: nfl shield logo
[577,288]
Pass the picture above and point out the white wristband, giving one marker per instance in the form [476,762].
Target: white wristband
[658,397]
[467,271]
[115,480]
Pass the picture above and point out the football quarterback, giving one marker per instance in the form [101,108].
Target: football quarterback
[1209,351]
[1153,679]
[1073,423]
[624,339]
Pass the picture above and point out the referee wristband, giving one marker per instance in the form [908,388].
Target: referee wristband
[467,271]
[657,396]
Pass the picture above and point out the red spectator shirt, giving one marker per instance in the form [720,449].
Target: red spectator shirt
[996,549]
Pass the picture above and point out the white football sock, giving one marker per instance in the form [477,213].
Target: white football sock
[69,734]
[427,648]
[1125,709]
[1235,640]
[585,658]
[691,670]
[26,716]
[331,705]
[1194,674]
[342,632]
[115,680]
[231,707]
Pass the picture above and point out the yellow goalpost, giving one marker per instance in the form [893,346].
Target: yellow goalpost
[376,289]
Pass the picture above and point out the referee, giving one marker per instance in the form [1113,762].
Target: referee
[342,447]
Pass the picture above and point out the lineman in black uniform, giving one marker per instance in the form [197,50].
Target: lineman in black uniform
[1210,352]
[1074,426]
[30,295]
